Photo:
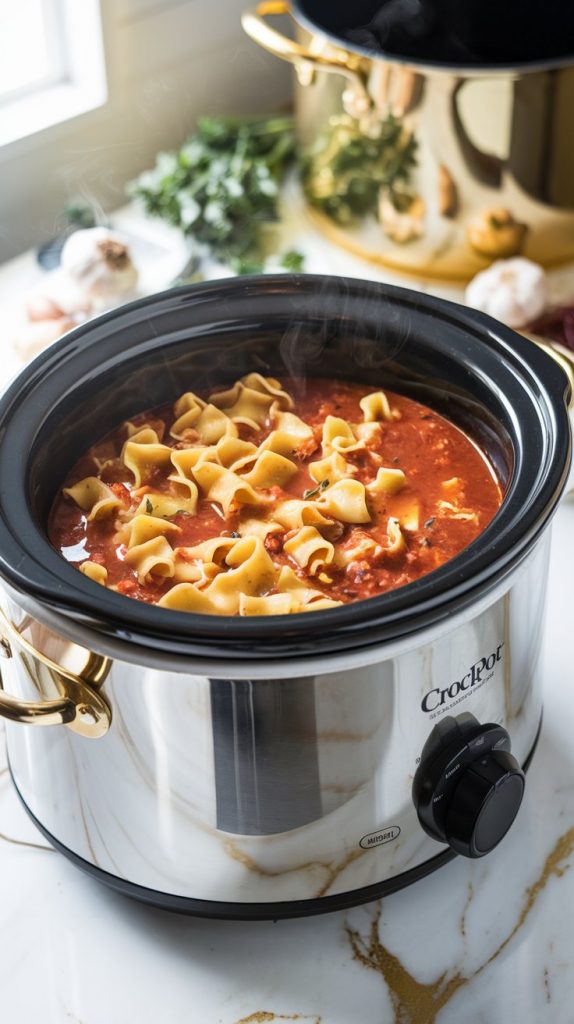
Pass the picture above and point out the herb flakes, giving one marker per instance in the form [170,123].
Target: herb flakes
[316,490]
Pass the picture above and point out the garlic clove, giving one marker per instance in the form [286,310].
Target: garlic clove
[99,264]
[496,233]
[514,291]
[448,199]
[405,222]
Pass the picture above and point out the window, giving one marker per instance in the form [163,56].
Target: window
[31,51]
[166,62]
[47,72]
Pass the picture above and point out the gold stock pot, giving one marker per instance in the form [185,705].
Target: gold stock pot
[474,163]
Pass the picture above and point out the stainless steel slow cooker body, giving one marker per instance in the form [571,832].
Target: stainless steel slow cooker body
[264,767]
[492,168]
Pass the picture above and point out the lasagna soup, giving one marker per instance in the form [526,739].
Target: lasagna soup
[271,497]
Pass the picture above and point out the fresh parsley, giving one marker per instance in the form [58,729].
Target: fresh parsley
[293,261]
[222,186]
[344,170]
[148,506]
[316,490]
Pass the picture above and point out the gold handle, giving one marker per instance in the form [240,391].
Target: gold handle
[80,707]
[356,99]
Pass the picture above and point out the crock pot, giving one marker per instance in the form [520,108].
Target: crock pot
[492,173]
[283,765]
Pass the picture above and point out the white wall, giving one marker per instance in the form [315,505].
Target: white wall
[167,62]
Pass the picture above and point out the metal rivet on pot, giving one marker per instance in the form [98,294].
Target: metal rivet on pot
[87,713]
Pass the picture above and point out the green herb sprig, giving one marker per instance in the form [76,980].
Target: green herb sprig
[222,185]
[293,261]
[345,169]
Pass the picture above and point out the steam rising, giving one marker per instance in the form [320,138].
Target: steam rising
[339,346]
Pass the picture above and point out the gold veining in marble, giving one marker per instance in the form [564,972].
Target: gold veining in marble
[87,836]
[415,1002]
[339,788]
[333,870]
[554,865]
[265,1017]
[337,869]
[469,895]
[347,735]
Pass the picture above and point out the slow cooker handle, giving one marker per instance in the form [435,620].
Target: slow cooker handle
[561,355]
[81,708]
[356,99]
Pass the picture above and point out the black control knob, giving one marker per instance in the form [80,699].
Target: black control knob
[468,787]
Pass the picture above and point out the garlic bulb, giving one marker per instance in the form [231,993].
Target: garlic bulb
[98,262]
[514,291]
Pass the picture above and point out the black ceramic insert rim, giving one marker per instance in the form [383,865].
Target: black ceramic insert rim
[293,321]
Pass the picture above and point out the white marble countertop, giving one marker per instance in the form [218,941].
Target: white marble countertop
[481,942]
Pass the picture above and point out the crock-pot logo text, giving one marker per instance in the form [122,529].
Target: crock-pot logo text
[479,673]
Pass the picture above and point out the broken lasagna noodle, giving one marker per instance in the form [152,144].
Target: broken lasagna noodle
[271,497]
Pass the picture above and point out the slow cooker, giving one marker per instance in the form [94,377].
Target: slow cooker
[283,765]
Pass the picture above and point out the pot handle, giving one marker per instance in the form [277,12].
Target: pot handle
[81,708]
[561,355]
[565,359]
[356,99]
